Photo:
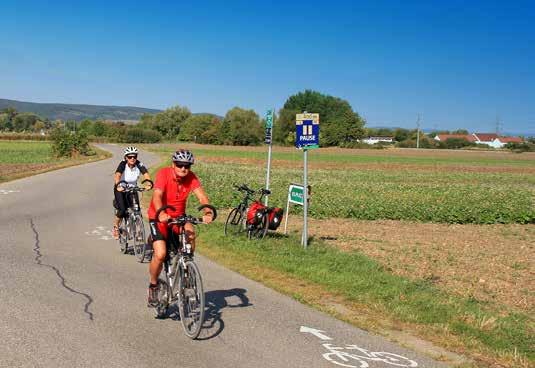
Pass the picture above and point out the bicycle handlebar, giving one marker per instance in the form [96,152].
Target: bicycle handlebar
[183,219]
[246,189]
[133,188]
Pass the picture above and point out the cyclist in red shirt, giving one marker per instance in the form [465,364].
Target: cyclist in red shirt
[172,187]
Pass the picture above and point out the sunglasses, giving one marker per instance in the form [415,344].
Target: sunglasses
[131,157]
[182,166]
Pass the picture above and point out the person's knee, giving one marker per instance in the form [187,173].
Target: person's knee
[159,251]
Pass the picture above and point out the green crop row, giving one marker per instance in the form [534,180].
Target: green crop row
[449,197]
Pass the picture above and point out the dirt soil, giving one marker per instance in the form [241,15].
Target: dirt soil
[488,262]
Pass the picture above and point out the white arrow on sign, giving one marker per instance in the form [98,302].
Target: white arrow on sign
[313,331]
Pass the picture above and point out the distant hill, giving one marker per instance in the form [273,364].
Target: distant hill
[65,112]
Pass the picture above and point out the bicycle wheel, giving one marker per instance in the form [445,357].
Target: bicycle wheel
[123,235]
[259,231]
[191,299]
[140,245]
[163,298]
[395,359]
[235,222]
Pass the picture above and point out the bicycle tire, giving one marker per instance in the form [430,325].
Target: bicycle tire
[260,230]
[123,235]
[343,360]
[191,299]
[395,359]
[163,298]
[234,222]
[140,245]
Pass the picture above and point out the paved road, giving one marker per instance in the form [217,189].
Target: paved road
[68,298]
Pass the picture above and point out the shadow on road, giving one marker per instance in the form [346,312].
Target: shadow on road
[216,301]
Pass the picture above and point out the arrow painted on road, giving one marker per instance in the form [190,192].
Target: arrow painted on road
[313,331]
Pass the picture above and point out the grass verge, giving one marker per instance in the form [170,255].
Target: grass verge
[361,291]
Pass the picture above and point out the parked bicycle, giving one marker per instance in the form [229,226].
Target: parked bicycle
[236,219]
[257,222]
[256,219]
[182,282]
[131,227]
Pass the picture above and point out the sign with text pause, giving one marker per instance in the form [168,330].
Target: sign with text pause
[307,131]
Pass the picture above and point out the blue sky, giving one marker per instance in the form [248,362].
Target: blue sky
[458,64]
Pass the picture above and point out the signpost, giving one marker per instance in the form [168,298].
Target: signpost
[296,195]
[267,140]
[307,136]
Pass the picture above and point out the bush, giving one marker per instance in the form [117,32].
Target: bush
[140,135]
[520,147]
[69,144]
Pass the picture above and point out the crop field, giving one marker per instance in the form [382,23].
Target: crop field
[23,158]
[456,187]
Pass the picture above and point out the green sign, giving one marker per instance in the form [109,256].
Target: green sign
[296,193]
[269,119]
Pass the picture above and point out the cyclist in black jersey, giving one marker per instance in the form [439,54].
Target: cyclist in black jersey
[129,170]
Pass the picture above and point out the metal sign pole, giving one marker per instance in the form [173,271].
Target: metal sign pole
[287,209]
[269,128]
[305,197]
[267,175]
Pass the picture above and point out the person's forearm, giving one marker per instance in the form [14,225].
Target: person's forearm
[157,199]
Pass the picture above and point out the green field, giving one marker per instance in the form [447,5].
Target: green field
[445,192]
[23,152]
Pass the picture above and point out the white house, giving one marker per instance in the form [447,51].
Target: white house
[375,140]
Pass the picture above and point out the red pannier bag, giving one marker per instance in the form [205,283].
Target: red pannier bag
[254,214]
[275,217]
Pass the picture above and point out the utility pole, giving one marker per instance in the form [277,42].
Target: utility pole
[418,132]
[497,124]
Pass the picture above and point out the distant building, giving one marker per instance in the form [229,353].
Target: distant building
[375,140]
[486,138]
[490,139]
[502,141]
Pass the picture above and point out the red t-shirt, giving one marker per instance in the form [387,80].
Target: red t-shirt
[175,191]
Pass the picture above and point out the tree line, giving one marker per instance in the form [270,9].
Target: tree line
[340,126]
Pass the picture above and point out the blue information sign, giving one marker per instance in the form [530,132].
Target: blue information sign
[307,132]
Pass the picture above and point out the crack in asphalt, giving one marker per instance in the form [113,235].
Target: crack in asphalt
[37,259]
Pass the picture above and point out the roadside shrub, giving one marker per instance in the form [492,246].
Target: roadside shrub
[69,144]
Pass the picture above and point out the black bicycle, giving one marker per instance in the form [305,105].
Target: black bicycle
[131,227]
[182,282]
[237,218]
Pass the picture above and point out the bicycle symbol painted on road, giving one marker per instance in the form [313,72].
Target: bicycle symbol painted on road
[356,357]
[353,356]
[102,232]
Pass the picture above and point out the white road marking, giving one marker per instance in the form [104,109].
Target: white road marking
[8,191]
[353,356]
[102,232]
[313,331]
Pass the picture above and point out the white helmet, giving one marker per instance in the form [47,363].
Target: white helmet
[183,156]
[130,150]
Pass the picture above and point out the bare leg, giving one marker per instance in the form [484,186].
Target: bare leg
[156,264]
